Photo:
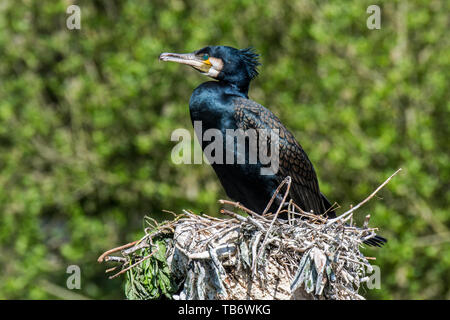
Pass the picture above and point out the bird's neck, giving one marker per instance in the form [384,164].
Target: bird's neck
[241,89]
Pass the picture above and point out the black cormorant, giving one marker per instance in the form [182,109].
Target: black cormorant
[223,105]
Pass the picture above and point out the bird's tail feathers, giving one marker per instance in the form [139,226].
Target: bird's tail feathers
[376,241]
[330,213]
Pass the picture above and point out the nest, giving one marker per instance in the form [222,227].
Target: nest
[250,256]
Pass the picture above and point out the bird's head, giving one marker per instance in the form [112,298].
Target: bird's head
[236,66]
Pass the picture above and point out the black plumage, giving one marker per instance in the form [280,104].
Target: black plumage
[293,160]
[225,105]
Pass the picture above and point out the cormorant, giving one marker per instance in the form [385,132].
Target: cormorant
[224,104]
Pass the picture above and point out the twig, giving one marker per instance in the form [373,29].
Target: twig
[330,221]
[288,181]
[102,257]
[133,265]
[239,206]
[276,193]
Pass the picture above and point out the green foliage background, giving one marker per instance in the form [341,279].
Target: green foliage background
[86,118]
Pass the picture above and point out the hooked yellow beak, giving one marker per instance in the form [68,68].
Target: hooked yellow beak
[187,58]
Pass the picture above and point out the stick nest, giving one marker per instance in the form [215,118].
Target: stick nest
[250,256]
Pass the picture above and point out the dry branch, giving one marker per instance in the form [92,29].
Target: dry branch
[254,256]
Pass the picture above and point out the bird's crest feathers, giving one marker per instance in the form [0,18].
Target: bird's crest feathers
[251,59]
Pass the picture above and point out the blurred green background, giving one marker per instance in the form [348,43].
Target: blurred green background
[86,117]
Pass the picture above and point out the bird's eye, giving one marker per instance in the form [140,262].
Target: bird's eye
[205,56]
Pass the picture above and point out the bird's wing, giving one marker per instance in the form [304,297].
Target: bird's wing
[293,160]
